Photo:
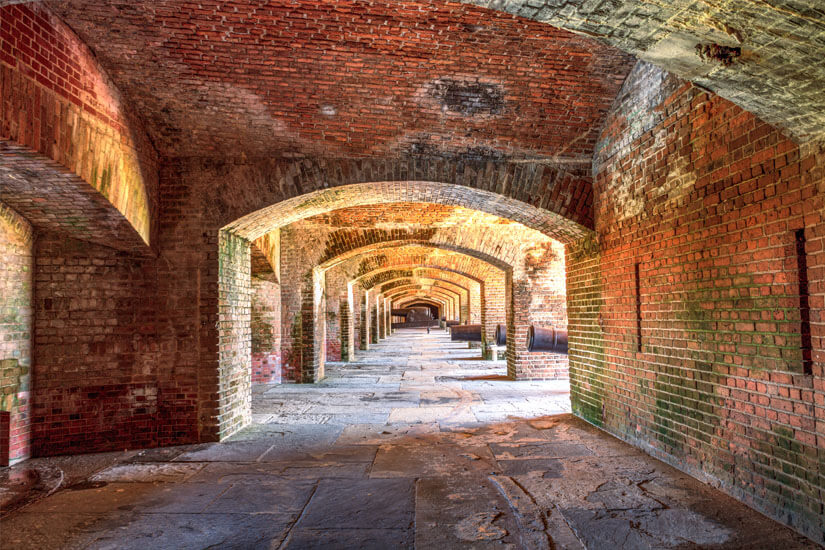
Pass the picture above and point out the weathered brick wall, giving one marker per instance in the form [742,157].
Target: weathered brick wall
[299,255]
[357,307]
[235,344]
[95,357]
[265,310]
[584,322]
[686,314]
[266,330]
[539,299]
[336,293]
[57,101]
[16,285]
[348,320]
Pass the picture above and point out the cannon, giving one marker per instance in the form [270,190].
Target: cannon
[465,333]
[451,323]
[547,339]
[501,335]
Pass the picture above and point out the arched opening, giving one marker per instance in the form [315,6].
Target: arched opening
[373,251]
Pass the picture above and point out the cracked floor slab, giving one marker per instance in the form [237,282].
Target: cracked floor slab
[413,445]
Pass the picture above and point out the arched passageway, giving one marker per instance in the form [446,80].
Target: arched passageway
[196,196]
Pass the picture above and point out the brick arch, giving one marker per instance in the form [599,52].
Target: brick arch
[436,290]
[433,283]
[389,245]
[419,295]
[79,160]
[492,292]
[451,300]
[54,199]
[444,295]
[541,202]
[414,255]
[471,289]
[416,298]
[390,274]
[420,298]
[442,307]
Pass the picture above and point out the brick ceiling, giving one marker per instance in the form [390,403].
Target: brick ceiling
[764,55]
[350,78]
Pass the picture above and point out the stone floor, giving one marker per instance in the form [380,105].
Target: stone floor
[417,444]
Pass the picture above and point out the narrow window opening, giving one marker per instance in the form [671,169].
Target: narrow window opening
[638,307]
[804,307]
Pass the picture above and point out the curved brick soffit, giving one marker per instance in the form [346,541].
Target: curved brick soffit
[425,281]
[415,256]
[387,246]
[71,157]
[741,52]
[443,294]
[484,241]
[391,274]
[422,286]
[524,198]
[414,295]
[398,278]
[54,199]
[415,298]
[431,289]
[438,75]
[426,291]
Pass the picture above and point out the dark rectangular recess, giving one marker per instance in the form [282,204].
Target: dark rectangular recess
[638,281]
[804,299]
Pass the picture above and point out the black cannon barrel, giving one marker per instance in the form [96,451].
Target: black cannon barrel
[547,339]
[465,333]
[501,335]
[452,323]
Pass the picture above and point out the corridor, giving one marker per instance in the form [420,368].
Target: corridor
[417,444]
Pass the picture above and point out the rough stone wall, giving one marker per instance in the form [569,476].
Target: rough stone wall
[16,286]
[687,314]
[57,101]
[95,355]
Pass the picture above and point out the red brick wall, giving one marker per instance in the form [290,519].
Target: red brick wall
[16,269]
[706,199]
[95,354]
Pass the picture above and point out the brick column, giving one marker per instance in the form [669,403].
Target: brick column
[536,297]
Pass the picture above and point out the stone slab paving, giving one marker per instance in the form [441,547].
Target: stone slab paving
[417,444]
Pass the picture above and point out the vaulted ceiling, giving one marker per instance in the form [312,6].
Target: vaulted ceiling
[351,78]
